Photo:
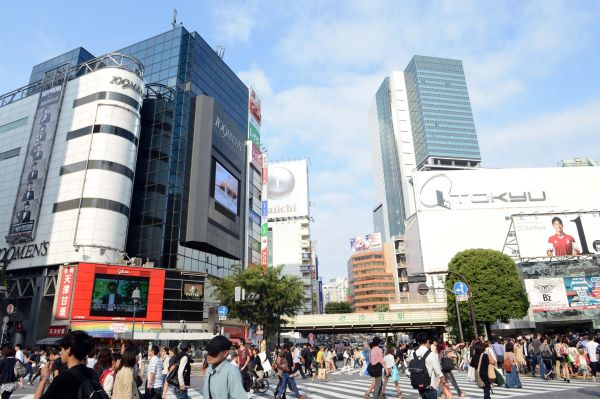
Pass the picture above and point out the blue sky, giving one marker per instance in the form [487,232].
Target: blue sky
[531,67]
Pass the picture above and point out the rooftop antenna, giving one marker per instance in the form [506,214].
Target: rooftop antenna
[220,51]
[174,22]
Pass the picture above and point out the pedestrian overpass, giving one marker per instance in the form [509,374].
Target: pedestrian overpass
[401,317]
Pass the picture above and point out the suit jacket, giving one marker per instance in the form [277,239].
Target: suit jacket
[118,299]
[24,216]
[124,386]
[28,195]
[33,175]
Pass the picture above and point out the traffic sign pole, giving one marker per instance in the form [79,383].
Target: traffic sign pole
[460,330]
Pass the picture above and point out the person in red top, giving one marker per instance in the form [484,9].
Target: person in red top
[561,244]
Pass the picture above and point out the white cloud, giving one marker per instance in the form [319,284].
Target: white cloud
[257,78]
[543,140]
[234,22]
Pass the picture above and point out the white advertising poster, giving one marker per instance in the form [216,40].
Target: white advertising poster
[546,293]
[288,189]
[568,234]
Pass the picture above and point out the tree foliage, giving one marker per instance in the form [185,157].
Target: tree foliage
[279,296]
[497,290]
[382,308]
[338,307]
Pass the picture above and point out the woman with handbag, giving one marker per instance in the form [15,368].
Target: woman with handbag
[511,368]
[125,386]
[547,358]
[8,381]
[391,371]
[480,361]
[375,369]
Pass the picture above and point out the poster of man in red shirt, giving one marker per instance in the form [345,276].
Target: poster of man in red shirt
[561,244]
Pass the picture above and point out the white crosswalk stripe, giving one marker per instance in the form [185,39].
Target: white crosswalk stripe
[357,386]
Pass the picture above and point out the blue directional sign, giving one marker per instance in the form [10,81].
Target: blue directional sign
[460,288]
[222,310]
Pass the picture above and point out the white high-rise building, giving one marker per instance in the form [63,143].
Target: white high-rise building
[336,290]
[289,227]
[393,153]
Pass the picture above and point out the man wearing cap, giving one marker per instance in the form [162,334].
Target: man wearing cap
[222,379]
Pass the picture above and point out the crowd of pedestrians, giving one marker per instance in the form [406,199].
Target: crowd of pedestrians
[77,368]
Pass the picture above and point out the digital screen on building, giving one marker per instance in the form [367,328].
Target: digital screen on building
[226,188]
[113,295]
[366,243]
[555,235]
[192,291]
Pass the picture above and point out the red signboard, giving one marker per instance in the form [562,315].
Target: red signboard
[57,331]
[65,289]
[255,105]
[264,175]
[257,157]
[107,292]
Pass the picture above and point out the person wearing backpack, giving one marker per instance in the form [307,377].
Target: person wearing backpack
[448,358]
[78,381]
[8,380]
[424,368]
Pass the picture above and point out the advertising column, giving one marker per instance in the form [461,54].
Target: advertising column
[33,177]
[264,228]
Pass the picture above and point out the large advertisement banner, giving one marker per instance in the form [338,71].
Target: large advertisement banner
[546,293]
[567,234]
[108,292]
[65,292]
[367,242]
[254,116]
[33,177]
[288,189]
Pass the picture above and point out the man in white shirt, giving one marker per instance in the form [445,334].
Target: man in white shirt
[592,348]
[20,356]
[154,380]
[432,364]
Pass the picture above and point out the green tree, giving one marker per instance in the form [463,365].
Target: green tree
[279,296]
[382,308]
[497,290]
[338,307]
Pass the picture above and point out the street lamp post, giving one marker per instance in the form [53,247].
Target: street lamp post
[136,295]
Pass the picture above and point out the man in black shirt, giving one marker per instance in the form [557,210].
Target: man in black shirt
[75,347]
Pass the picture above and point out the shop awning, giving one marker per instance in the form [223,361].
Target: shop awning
[48,341]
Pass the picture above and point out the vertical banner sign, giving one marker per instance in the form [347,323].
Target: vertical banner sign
[63,305]
[254,116]
[33,177]
[264,228]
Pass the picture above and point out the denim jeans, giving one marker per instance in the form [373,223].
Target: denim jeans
[429,393]
[180,393]
[285,381]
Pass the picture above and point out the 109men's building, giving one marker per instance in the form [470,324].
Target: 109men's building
[142,153]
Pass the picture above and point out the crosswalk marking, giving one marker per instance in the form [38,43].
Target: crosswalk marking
[355,388]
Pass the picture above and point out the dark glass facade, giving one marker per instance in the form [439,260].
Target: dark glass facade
[440,112]
[390,160]
[73,57]
[184,62]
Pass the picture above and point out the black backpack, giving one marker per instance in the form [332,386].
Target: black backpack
[447,364]
[419,376]
[90,388]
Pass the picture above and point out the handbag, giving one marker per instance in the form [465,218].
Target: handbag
[471,374]
[375,370]
[172,377]
[499,376]
[507,365]
[395,374]
[19,369]
[478,379]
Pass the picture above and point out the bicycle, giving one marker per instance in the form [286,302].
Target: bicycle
[260,385]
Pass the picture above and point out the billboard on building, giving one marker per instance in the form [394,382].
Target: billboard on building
[558,234]
[28,204]
[226,188]
[464,209]
[107,292]
[567,285]
[192,291]
[254,116]
[367,242]
[288,189]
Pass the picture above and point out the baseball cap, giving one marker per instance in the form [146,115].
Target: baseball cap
[217,345]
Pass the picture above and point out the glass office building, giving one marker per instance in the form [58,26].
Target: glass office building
[178,66]
[440,112]
[390,161]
